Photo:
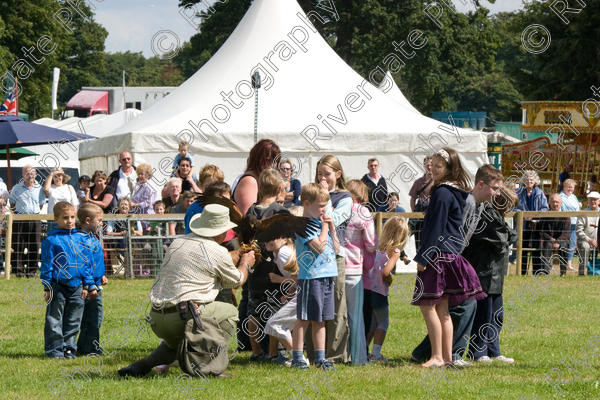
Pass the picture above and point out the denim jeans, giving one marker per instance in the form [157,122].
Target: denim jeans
[572,242]
[90,326]
[356,323]
[485,333]
[462,320]
[63,318]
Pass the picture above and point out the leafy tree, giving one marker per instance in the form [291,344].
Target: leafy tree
[139,71]
[5,54]
[569,66]
[445,74]
[76,47]
[25,22]
[83,59]
[215,29]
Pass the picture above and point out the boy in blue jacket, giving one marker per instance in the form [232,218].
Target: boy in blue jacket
[90,219]
[66,274]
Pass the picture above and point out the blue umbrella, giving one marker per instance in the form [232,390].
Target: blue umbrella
[16,132]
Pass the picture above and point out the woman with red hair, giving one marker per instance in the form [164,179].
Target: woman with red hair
[262,156]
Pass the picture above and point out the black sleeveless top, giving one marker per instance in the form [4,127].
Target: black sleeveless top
[238,184]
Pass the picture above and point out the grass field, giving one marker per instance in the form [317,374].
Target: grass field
[551,325]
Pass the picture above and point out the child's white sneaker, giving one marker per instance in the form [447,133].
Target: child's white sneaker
[503,359]
[461,363]
[484,359]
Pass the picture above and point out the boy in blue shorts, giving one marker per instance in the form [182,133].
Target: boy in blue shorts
[90,219]
[66,274]
[317,270]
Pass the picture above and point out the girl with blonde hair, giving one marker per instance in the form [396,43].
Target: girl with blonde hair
[378,279]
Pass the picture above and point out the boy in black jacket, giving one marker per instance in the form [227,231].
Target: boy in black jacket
[263,294]
[488,254]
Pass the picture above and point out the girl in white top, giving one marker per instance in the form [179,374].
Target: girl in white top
[279,327]
[56,189]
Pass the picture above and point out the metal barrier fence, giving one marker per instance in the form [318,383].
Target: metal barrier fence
[137,252]
[130,250]
[533,239]
[530,248]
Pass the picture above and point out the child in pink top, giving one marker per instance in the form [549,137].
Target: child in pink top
[359,239]
[377,280]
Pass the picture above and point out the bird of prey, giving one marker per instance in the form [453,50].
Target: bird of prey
[253,231]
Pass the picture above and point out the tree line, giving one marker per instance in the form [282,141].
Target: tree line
[473,61]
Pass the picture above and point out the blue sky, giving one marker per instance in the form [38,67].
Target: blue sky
[131,24]
[499,6]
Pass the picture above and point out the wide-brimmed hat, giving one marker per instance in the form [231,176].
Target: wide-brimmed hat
[593,195]
[213,221]
[60,171]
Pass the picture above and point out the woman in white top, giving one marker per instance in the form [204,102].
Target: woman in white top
[56,189]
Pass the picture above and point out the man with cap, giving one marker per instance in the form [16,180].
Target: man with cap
[194,269]
[587,232]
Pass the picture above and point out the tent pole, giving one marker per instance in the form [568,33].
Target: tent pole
[256,83]
[8,167]
[255,115]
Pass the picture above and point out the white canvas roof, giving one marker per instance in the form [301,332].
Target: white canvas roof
[388,86]
[45,121]
[307,89]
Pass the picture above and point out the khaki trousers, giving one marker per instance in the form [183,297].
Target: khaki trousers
[170,328]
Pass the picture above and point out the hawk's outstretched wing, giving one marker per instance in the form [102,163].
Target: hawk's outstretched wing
[284,226]
[235,215]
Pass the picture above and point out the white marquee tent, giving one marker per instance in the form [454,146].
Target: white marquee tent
[388,86]
[311,103]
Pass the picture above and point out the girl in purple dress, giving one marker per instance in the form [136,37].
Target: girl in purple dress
[444,277]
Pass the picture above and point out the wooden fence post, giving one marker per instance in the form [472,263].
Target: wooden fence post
[378,223]
[519,242]
[8,247]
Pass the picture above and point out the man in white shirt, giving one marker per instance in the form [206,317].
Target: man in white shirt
[123,180]
[3,188]
[26,197]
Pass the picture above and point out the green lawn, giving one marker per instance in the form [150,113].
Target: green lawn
[548,328]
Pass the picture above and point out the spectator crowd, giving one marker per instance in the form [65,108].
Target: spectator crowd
[340,270]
